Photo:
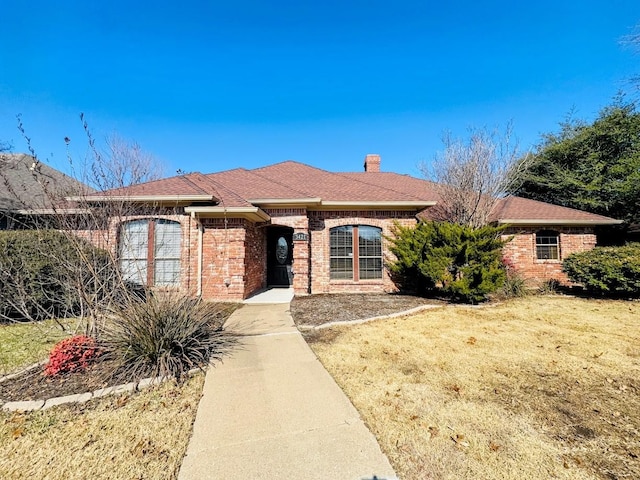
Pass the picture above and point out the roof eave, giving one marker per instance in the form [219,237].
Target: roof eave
[254,214]
[286,202]
[173,199]
[375,205]
[538,221]
[52,211]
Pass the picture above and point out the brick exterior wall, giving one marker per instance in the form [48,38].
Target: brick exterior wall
[232,257]
[255,261]
[320,223]
[223,259]
[521,251]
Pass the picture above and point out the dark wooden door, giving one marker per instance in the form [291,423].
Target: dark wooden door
[280,257]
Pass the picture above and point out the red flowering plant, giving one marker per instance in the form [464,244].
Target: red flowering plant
[72,354]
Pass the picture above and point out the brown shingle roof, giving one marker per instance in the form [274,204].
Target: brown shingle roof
[291,180]
[519,210]
[250,185]
[172,186]
[416,187]
[329,186]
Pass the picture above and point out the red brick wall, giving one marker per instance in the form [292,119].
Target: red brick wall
[521,251]
[223,259]
[234,263]
[255,261]
[321,222]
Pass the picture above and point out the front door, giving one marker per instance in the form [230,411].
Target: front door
[280,257]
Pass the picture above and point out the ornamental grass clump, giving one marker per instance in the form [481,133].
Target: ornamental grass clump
[71,355]
[165,335]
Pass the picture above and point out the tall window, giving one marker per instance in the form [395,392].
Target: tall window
[547,245]
[150,252]
[355,253]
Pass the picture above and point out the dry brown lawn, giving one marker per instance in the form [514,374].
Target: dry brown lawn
[535,388]
[131,436]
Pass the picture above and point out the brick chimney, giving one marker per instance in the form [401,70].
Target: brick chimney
[372,163]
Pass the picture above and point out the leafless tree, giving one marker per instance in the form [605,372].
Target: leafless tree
[92,278]
[471,174]
[632,41]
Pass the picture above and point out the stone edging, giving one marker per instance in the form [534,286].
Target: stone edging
[370,319]
[32,405]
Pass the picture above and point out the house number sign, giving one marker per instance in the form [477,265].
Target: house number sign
[300,237]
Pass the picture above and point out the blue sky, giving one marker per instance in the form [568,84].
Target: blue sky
[207,86]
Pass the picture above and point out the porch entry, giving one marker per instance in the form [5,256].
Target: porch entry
[279,256]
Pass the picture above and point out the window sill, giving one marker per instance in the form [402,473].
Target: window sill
[377,281]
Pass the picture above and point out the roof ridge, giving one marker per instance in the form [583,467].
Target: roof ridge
[186,178]
[220,186]
[286,185]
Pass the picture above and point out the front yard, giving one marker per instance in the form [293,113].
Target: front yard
[133,435]
[541,387]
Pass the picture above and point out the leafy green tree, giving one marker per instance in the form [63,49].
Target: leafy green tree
[458,261]
[593,167]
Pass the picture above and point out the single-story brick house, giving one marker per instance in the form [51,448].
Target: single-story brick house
[228,235]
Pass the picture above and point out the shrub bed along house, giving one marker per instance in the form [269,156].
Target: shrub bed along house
[613,271]
[44,274]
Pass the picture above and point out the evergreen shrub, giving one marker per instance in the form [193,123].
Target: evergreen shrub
[613,271]
[460,262]
[42,273]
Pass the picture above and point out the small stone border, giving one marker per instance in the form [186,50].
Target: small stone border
[370,319]
[33,405]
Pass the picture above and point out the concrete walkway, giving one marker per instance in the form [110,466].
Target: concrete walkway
[271,411]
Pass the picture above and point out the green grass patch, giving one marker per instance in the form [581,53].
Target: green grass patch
[26,343]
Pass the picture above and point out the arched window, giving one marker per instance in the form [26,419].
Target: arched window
[547,245]
[355,253]
[150,252]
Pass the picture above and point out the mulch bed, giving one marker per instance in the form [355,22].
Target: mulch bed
[33,384]
[315,310]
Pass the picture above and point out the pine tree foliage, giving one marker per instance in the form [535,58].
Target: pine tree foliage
[592,167]
[458,261]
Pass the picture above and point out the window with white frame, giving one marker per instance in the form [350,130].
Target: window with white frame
[355,253]
[150,252]
[547,245]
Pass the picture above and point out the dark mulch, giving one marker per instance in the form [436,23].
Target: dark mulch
[316,310]
[34,385]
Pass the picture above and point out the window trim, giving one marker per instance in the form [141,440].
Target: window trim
[355,254]
[547,234]
[151,257]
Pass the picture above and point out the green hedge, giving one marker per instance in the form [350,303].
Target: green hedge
[457,261]
[611,271]
[42,273]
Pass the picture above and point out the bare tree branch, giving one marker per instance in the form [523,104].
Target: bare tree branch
[472,174]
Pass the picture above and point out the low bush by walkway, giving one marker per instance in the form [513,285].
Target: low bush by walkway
[540,387]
